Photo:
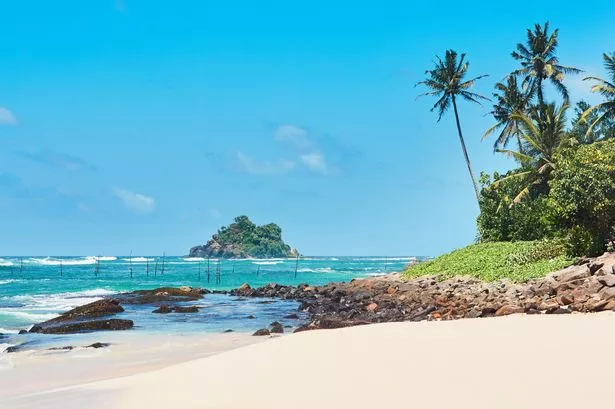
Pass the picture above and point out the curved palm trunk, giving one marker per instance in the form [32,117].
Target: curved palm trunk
[465,152]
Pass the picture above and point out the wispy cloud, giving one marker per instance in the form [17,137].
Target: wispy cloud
[297,136]
[256,167]
[58,160]
[315,161]
[135,201]
[7,117]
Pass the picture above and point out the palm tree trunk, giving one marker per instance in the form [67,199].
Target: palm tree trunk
[465,152]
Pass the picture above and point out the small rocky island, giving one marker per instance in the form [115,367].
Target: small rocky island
[244,239]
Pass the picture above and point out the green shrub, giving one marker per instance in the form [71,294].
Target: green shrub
[581,202]
[517,261]
[501,220]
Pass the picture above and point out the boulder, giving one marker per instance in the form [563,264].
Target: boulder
[163,309]
[508,310]
[82,326]
[276,328]
[94,309]
[262,332]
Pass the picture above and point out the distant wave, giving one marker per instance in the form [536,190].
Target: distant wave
[48,261]
[138,259]
[8,331]
[385,259]
[194,259]
[315,270]
[267,263]
[106,258]
[7,281]
[5,263]
[59,302]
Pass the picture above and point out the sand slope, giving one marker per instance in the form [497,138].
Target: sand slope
[512,362]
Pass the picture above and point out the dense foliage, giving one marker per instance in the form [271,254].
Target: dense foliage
[564,187]
[244,238]
[517,261]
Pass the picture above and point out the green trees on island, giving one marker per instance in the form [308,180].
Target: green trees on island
[563,188]
[447,82]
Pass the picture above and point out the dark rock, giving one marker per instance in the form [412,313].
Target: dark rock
[228,330]
[162,295]
[163,309]
[250,317]
[190,309]
[276,328]
[262,332]
[66,348]
[82,326]
[292,317]
[22,331]
[594,267]
[97,345]
[11,349]
[94,309]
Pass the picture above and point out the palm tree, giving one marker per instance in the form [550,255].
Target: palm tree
[607,90]
[446,81]
[542,131]
[510,100]
[539,63]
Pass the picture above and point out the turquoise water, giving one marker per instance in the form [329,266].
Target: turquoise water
[34,289]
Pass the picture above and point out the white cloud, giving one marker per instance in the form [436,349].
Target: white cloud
[135,201]
[7,117]
[297,136]
[254,167]
[316,162]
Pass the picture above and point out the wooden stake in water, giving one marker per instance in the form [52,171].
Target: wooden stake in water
[130,261]
[218,272]
[385,264]
[233,266]
[297,265]
[199,270]
[258,270]
[146,267]
[156,267]
[21,265]
[61,270]
[163,257]
[97,268]
[207,269]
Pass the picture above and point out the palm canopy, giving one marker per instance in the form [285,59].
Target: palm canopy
[607,90]
[510,100]
[539,62]
[447,80]
[542,131]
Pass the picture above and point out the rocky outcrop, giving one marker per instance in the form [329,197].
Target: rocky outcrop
[162,296]
[165,309]
[242,239]
[113,324]
[588,286]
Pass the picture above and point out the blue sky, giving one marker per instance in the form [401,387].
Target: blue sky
[144,125]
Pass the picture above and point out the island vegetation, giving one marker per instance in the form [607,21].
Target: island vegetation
[244,239]
[558,203]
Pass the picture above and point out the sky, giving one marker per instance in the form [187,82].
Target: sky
[144,125]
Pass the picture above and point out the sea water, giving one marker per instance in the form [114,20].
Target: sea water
[35,289]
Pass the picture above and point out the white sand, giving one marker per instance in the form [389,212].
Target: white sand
[515,362]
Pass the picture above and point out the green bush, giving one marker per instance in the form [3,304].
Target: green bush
[581,202]
[501,220]
[516,261]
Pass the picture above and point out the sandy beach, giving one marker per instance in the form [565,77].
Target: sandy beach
[510,362]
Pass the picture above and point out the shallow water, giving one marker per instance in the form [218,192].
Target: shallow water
[35,289]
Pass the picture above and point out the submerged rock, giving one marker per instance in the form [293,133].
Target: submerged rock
[113,324]
[276,328]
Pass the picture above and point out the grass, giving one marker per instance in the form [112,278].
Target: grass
[516,261]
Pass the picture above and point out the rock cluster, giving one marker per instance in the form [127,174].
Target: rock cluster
[588,286]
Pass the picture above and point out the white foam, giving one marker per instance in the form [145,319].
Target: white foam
[7,281]
[383,259]
[106,258]
[8,331]
[194,259]
[139,259]
[5,263]
[4,347]
[60,302]
[315,270]
[27,316]
[48,261]
[267,263]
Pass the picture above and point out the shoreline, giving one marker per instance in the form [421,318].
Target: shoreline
[37,371]
[479,363]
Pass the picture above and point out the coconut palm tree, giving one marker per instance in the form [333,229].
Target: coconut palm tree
[542,131]
[605,88]
[539,62]
[510,100]
[447,82]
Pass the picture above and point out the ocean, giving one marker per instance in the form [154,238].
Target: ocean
[35,289]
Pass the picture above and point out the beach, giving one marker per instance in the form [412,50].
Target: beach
[518,361]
